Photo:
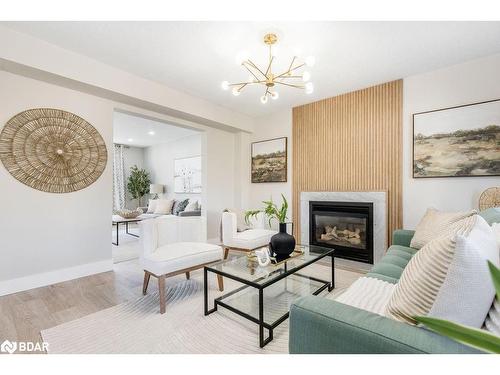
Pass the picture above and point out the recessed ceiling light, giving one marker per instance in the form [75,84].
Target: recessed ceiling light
[130,140]
[151,132]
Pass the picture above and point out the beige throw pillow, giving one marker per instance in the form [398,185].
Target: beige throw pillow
[164,206]
[436,224]
[424,275]
[152,206]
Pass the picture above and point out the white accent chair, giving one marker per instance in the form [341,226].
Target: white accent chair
[173,245]
[248,240]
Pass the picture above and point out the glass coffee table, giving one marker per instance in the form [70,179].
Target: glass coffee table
[267,292]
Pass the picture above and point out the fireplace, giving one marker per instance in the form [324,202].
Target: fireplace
[345,226]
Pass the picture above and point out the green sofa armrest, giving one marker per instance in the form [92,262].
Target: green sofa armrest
[402,237]
[319,325]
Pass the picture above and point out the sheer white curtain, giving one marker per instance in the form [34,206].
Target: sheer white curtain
[118,178]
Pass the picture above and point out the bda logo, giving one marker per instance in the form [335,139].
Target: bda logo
[8,347]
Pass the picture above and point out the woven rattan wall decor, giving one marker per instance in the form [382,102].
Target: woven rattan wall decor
[52,150]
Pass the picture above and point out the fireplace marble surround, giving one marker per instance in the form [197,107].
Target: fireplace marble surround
[379,200]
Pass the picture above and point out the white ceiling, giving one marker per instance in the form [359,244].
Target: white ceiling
[195,57]
[134,131]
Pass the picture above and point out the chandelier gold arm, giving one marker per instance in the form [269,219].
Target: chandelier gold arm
[251,72]
[255,66]
[269,66]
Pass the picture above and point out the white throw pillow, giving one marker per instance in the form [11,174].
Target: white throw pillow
[192,206]
[467,292]
[152,206]
[436,224]
[164,206]
[496,231]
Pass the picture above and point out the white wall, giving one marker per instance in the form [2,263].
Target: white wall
[159,162]
[470,82]
[43,232]
[132,156]
[275,125]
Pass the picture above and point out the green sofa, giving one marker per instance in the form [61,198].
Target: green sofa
[320,325]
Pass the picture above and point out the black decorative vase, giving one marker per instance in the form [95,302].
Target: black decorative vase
[282,244]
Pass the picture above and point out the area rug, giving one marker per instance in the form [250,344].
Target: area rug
[129,247]
[138,327]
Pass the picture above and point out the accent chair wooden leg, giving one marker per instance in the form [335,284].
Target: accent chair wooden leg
[147,276]
[226,252]
[187,275]
[161,287]
[220,281]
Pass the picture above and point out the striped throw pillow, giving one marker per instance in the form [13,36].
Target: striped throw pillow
[424,275]
[436,224]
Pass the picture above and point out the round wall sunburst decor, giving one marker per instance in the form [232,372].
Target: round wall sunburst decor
[52,150]
[490,198]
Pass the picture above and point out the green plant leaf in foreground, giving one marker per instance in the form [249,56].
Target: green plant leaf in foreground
[476,338]
[495,276]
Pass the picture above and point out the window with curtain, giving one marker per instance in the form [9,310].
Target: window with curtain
[118,178]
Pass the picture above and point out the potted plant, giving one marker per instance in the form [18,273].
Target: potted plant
[282,244]
[138,183]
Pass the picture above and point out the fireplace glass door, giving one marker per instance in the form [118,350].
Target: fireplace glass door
[344,226]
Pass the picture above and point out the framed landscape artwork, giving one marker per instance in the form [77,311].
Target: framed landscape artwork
[187,175]
[461,141]
[269,160]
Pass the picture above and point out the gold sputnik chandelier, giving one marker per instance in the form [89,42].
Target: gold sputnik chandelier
[270,80]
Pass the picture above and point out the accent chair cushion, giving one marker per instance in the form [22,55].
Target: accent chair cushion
[251,239]
[447,277]
[435,224]
[179,256]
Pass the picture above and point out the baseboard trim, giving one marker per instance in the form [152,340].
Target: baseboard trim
[53,277]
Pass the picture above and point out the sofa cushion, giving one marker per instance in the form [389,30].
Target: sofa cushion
[467,291]
[436,223]
[421,280]
[163,206]
[251,239]
[179,256]
[369,294]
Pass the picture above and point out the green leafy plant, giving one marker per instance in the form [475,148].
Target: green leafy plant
[476,338]
[271,210]
[138,183]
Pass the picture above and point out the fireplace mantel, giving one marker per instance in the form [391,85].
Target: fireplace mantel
[379,200]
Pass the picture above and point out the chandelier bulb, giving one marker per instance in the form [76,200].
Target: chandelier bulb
[225,85]
[306,76]
[310,61]
[275,95]
[236,91]
[263,99]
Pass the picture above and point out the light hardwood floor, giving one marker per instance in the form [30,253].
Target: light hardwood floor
[23,315]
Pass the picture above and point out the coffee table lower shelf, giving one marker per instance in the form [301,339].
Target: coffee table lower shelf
[267,304]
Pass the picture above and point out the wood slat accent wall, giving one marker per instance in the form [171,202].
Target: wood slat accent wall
[351,142]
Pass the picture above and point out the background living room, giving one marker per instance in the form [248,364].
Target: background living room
[152,160]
